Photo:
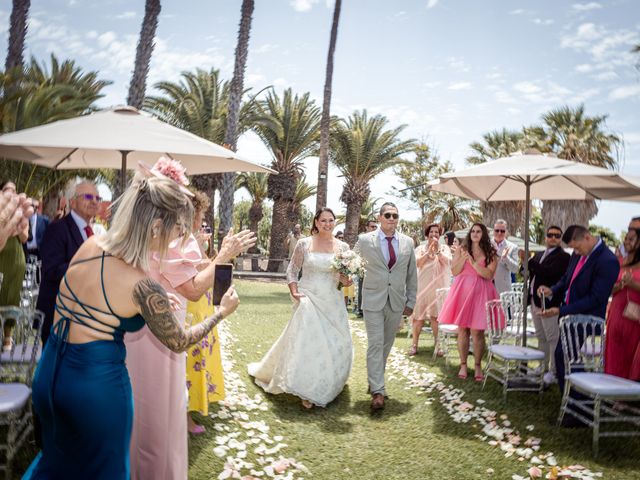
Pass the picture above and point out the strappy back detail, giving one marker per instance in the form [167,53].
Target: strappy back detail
[67,315]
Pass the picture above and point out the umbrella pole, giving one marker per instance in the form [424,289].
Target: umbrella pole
[525,274]
[123,171]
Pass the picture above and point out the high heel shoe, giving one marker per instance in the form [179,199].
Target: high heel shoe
[463,376]
[480,377]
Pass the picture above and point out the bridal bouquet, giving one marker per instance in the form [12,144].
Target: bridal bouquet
[349,264]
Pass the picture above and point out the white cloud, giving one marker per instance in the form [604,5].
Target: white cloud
[264,48]
[431,3]
[632,137]
[458,64]
[583,7]
[625,91]
[460,86]
[518,11]
[281,83]
[584,68]
[526,87]
[431,84]
[126,15]
[606,76]
[302,5]
[544,22]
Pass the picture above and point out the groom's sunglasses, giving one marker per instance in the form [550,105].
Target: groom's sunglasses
[388,215]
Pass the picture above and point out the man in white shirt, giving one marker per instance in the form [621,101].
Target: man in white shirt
[509,261]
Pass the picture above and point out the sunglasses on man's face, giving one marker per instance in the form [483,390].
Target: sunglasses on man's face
[499,230]
[90,197]
[554,235]
[389,215]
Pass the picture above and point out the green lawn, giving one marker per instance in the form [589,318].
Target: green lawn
[414,438]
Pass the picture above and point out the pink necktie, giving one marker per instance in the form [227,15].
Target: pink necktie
[581,262]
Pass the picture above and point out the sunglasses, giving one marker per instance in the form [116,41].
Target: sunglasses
[90,197]
[499,230]
[554,235]
[388,215]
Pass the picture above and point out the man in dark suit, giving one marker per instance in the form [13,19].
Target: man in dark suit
[586,285]
[38,223]
[547,268]
[61,241]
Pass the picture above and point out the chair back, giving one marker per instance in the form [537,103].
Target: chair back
[441,295]
[517,287]
[18,362]
[513,311]
[496,326]
[583,341]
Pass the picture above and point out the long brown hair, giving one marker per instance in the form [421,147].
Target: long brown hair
[485,244]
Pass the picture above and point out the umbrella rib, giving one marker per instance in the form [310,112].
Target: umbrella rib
[585,191]
[65,157]
[496,189]
[464,189]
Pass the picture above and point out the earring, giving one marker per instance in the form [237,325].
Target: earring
[155,234]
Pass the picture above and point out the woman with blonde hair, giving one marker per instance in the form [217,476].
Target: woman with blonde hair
[81,390]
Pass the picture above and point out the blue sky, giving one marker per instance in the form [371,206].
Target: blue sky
[449,69]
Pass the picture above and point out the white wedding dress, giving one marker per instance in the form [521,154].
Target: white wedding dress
[312,357]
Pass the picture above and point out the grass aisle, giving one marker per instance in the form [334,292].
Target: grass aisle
[414,438]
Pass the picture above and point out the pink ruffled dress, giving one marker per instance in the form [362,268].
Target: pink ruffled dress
[159,437]
[465,303]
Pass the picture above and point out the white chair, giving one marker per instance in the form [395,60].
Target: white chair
[512,304]
[446,333]
[508,361]
[16,372]
[583,341]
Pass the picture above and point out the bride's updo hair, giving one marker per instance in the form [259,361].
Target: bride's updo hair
[314,229]
[131,231]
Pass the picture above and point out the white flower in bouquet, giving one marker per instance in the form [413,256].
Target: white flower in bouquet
[349,264]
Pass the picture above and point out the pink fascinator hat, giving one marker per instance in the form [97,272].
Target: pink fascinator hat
[168,168]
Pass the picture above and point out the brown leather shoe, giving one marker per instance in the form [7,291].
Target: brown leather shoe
[377,402]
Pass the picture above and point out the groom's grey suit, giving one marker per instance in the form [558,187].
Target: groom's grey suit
[385,293]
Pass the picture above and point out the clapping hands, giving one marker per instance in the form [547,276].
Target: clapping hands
[15,211]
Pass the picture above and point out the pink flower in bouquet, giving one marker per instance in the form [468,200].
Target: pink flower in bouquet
[172,169]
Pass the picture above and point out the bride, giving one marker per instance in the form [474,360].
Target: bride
[312,358]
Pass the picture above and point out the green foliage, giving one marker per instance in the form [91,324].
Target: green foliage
[608,236]
[497,144]
[415,174]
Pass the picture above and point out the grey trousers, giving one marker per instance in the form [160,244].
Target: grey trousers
[548,334]
[381,332]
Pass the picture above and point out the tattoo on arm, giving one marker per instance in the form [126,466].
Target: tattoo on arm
[156,310]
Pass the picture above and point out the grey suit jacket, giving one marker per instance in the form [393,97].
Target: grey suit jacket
[510,263]
[397,284]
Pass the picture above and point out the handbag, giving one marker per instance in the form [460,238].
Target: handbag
[631,309]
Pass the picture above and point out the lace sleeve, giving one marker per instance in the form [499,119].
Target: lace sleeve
[295,264]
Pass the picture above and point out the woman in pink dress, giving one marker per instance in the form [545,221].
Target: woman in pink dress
[474,265]
[159,437]
[622,351]
[434,271]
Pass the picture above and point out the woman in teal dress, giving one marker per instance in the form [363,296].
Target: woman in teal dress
[81,391]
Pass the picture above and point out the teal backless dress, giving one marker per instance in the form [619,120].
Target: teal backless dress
[82,397]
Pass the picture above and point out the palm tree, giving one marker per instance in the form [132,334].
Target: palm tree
[199,104]
[368,211]
[362,148]
[451,213]
[303,191]
[572,135]
[256,185]
[325,123]
[138,84]
[498,144]
[231,135]
[289,128]
[17,34]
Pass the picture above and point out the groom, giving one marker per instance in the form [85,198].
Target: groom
[388,292]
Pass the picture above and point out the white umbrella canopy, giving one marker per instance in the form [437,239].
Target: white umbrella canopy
[525,177]
[119,138]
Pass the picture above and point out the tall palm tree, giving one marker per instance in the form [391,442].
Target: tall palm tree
[303,191]
[362,148]
[138,84]
[17,34]
[368,211]
[290,128]
[451,213]
[256,185]
[572,135]
[199,103]
[325,123]
[231,135]
[498,144]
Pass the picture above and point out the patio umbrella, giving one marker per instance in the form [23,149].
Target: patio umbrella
[527,177]
[119,138]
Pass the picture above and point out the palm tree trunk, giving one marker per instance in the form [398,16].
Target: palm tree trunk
[563,213]
[17,34]
[352,220]
[227,186]
[279,220]
[255,216]
[510,211]
[325,121]
[143,53]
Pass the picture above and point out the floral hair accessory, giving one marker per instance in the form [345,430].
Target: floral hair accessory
[168,168]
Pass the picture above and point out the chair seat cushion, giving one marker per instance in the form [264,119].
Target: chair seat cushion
[514,352]
[18,356]
[605,385]
[13,396]
[447,328]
